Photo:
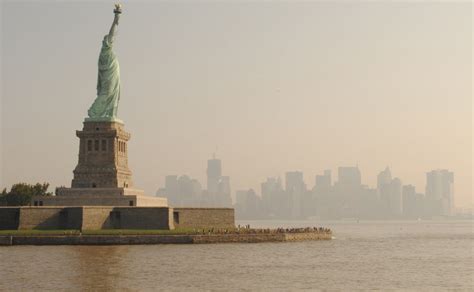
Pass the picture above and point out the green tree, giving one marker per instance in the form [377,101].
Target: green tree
[3,196]
[21,194]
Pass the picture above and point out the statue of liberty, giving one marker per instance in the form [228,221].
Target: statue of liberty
[105,105]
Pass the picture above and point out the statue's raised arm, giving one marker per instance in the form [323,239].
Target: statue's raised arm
[117,12]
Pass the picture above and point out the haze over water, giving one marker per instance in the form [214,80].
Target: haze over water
[366,255]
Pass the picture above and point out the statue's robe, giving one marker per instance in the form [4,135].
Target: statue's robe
[108,83]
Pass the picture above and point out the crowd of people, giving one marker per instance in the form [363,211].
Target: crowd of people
[247,230]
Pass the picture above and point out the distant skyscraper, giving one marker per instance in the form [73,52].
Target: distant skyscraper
[182,191]
[323,182]
[349,176]
[384,178]
[273,197]
[440,191]
[396,203]
[214,173]
[269,187]
[185,192]
[218,186]
[295,189]
[294,180]
[390,194]
[171,189]
[411,208]
[224,198]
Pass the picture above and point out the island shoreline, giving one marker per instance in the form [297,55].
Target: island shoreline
[121,239]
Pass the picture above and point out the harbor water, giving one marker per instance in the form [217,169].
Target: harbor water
[401,255]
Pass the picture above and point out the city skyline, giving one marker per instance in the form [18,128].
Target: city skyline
[302,86]
[330,197]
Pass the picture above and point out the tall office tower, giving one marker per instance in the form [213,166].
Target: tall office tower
[396,203]
[409,199]
[390,194]
[171,189]
[218,186]
[223,198]
[182,191]
[349,176]
[440,191]
[295,189]
[272,196]
[320,196]
[214,173]
[323,182]
[253,204]
[294,180]
[269,187]
[348,191]
[384,178]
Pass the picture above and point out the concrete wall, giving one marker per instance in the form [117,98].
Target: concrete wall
[142,218]
[73,218]
[86,218]
[103,217]
[94,218]
[12,218]
[9,218]
[203,218]
[42,218]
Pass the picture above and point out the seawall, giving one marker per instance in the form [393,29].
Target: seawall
[114,217]
[159,239]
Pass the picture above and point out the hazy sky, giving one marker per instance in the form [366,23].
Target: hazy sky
[276,86]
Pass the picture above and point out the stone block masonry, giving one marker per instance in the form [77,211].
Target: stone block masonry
[103,156]
[43,218]
[203,217]
[9,218]
[106,217]
[94,218]
[143,218]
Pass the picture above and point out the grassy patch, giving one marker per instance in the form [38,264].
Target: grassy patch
[35,232]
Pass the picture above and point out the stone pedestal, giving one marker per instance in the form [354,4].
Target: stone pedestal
[103,157]
[102,176]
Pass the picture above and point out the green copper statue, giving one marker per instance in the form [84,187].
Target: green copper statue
[105,105]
